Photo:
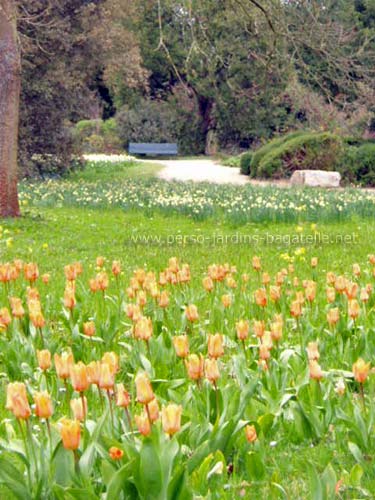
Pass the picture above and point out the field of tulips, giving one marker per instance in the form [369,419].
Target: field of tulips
[184,371]
[161,384]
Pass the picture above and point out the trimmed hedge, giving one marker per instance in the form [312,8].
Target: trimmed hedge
[269,147]
[312,151]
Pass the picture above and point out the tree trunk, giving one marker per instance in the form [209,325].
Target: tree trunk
[10,85]
[208,125]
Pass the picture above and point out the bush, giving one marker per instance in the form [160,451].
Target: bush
[151,121]
[358,164]
[245,164]
[97,136]
[309,150]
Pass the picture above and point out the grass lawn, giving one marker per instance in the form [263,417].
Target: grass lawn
[311,438]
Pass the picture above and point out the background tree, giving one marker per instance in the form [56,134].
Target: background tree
[10,80]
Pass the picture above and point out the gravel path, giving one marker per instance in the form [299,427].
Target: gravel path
[200,170]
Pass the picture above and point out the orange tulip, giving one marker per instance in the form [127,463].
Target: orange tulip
[195,366]
[44,359]
[333,316]
[63,364]
[116,267]
[353,309]
[310,291]
[70,272]
[226,300]
[79,408]
[143,329]
[5,318]
[351,290]
[260,297]
[259,328]
[45,278]
[37,319]
[264,352]
[296,309]
[69,297]
[141,298]
[242,329]
[122,396]
[276,331]
[70,432]
[89,328]
[364,295]
[256,263]
[211,370]
[275,293]
[171,418]
[314,261]
[115,453]
[102,281]
[191,313]
[361,370]
[356,270]
[31,272]
[251,433]
[43,404]
[215,346]
[100,261]
[181,345]
[79,378]
[111,359]
[93,372]
[315,370]
[143,424]
[340,284]
[17,401]
[144,390]
[312,351]
[153,410]
[17,309]
[208,284]
[266,279]
[331,294]
[107,377]
[163,300]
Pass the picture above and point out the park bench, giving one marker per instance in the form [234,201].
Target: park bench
[148,148]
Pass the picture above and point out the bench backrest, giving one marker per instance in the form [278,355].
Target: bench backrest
[153,148]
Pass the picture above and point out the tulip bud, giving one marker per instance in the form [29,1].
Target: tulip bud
[315,370]
[107,377]
[256,263]
[191,313]
[211,370]
[17,309]
[93,372]
[79,408]
[111,359]
[44,359]
[79,378]
[260,297]
[259,328]
[215,346]
[122,396]
[115,453]
[195,366]
[353,309]
[43,404]
[116,268]
[70,432]
[144,390]
[63,364]
[181,345]
[171,418]
[143,424]
[208,284]
[312,351]
[143,329]
[163,299]
[242,329]
[153,410]
[251,433]
[333,316]
[17,401]
[89,328]
[361,370]
[226,300]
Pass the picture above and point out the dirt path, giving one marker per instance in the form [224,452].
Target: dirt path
[200,170]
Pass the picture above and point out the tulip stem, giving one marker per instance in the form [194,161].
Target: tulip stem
[83,406]
[25,445]
[148,415]
[244,349]
[217,400]
[49,435]
[110,408]
[129,421]
[32,445]
[362,392]
[100,397]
